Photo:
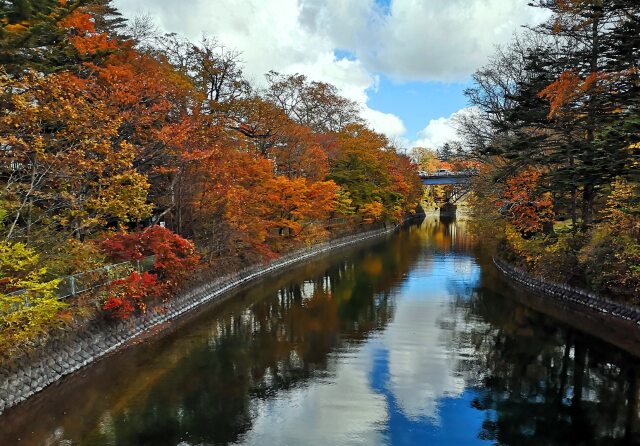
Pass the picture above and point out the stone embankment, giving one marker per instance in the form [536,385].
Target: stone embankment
[75,349]
[570,294]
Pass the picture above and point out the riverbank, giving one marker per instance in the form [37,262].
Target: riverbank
[614,322]
[31,372]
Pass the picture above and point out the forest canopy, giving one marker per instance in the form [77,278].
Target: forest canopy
[108,128]
[557,128]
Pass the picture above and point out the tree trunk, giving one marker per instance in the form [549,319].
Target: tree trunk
[588,195]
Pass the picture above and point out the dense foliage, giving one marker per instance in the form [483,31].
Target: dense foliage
[557,126]
[107,128]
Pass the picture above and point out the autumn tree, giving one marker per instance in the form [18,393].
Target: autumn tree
[223,197]
[611,257]
[296,204]
[31,38]
[60,169]
[214,70]
[380,182]
[317,105]
[592,85]
[555,95]
[262,123]
[426,159]
[296,150]
[29,305]
[525,205]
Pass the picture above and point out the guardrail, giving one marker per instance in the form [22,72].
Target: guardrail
[461,173]
[96,278]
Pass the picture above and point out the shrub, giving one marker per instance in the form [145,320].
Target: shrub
[175,260]
[612,263]
[129,296]
[175,257]
[32,312]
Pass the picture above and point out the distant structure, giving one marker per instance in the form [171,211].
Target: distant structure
[460,180]
[444,176]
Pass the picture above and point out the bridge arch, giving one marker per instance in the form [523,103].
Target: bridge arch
[460,183]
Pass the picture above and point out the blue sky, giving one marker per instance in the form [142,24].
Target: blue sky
[406,62]
[417,103]
[384,5]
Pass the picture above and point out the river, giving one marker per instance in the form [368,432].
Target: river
[411,340]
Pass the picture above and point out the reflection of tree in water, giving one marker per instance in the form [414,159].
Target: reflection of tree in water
[541,383]
[277,343]
[446,234]
[536,383]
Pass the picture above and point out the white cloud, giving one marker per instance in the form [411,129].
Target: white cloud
[441,130]
[413,40]
[271,35]
[386,123]
[436,133]
[419,39]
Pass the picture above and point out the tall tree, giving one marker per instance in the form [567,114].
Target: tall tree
[589,89]
[571,84]
[61,170]
[31,38]
[317,105]
[107,18]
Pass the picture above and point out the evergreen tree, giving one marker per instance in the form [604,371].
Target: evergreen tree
[588,94]
[446,152]
[30,36]
[107,18]
[572,108]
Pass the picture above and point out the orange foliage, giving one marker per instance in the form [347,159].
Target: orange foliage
[83,35]
[372,212]
[83,171]
[294,203]
[527,211]
[570,88]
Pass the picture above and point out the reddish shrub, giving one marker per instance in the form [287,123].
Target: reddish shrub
[127,296]
[123,247]
[176,257]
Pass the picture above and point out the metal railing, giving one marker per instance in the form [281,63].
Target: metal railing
[96,278]
[89,280]
[448,173]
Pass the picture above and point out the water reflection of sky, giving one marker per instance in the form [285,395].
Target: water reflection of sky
[402,386]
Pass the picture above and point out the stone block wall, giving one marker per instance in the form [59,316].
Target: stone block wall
[570,294]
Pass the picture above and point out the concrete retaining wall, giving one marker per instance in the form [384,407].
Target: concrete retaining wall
[73,350]
[570,294]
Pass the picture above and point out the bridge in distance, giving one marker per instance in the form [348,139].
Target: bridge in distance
[445,177]
[459,182]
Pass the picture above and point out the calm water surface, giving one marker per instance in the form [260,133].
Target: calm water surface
[412,341]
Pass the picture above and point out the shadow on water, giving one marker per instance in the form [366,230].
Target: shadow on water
[413,340]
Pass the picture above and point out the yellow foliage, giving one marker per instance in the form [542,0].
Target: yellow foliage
[372,212]
[28,304]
